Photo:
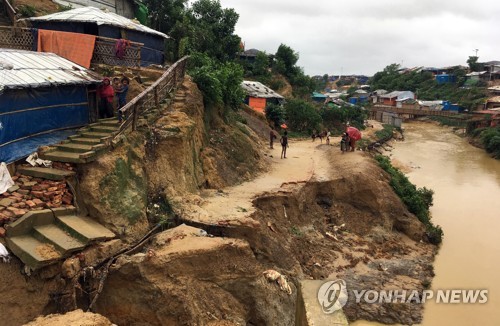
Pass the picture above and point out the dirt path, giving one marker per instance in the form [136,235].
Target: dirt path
[305,160]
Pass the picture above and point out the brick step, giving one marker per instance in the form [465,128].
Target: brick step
[76,148]
[59,238]
[93,134]
[32,251]
[45,173]
[105,128]
[40,238]
[84,140]
[85,229]
[68,157]
[111,123]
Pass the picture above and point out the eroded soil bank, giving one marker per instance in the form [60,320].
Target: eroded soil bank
[192,279]
[239,210]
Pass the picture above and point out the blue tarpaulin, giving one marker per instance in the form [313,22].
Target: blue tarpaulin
[17,150]
[25,114]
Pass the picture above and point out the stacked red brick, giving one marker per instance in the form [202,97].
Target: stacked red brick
[30,194]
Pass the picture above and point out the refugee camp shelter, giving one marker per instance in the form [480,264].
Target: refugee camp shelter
[392,97]
[258,95]
[94,21]
[42,97]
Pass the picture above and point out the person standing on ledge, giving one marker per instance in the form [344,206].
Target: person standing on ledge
[284,144]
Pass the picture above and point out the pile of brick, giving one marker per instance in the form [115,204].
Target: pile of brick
[29,194]
[63,166]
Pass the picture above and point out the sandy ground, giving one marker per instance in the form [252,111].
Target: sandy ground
[306,160]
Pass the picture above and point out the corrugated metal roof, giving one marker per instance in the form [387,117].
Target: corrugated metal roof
[256,89]
[98,16]
[26,69]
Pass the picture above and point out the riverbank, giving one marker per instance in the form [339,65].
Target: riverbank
[466,182]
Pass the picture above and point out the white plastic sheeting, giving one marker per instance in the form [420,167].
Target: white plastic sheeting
[28,69]
[97,16]
[5,180]
[259,90]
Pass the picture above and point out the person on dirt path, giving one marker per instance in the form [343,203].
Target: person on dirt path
[352,143]
[122,97]
[272,137]
[328,137]
[344,142]
[284,144]
[106,94]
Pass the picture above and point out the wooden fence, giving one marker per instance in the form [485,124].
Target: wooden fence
[150,97]
[104,51]
[16,38]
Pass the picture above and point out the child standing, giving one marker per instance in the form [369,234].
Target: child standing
[106,94]
[284,144]
[122,97]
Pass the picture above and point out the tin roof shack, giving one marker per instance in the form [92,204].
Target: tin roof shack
[94,21]
[42,97]
[259,95]
[392,97]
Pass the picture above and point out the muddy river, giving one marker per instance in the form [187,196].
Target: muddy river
[466,182]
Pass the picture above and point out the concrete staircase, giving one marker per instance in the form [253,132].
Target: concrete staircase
[85,146]
[41,238]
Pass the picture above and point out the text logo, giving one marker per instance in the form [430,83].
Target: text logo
[332,296]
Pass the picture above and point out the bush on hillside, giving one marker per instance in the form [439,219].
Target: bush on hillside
[219,82]
[276,114]
[302,116]
[417,200]
[490,138]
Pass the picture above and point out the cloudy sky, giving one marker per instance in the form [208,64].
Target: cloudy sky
[364,36]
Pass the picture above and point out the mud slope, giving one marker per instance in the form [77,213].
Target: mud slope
[294,228]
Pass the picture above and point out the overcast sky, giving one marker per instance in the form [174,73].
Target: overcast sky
[364,36]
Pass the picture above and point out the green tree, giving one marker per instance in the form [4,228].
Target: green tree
[473,64]
[302,116]
[285,60]
[261,65]
[213,29]
[164,15]
[220,82]
[275,113]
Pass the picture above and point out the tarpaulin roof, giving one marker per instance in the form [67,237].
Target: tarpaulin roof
[256,89]
[27,69]
[97,16]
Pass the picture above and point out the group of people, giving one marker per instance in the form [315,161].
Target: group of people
[347,143]
[108,93]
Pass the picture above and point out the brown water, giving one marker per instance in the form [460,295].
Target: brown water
[466,182]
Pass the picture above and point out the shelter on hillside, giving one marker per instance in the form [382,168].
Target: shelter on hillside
[94,21]
[318,97]
[43,98]
[392,97]
[258,95]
